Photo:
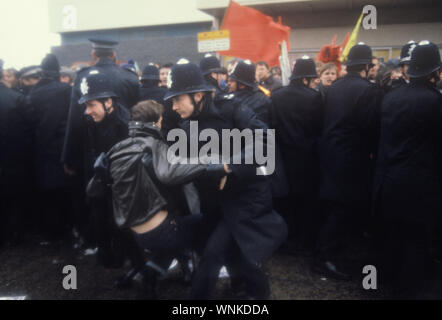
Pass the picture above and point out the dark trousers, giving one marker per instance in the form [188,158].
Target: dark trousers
[11,215]
[173,238]
[340,222]
[221,249]
[56,217]
[114,245]
[173,234]
[404,258]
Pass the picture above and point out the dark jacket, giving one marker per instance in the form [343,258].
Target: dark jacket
[322,90]
[407,185]
[152,93]
[171,119]
[16,140]
[214,83]
[297,115]
[255,100]
[49,101]
[271,83]
[141,174]
[245,203]
[124,84]
[349,140]
[102,136]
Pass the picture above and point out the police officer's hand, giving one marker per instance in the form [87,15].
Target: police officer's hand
[218,172]
[68,170]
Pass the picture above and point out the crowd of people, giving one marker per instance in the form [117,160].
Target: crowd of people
[85,160]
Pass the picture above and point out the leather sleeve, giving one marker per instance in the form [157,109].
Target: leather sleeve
[176,171]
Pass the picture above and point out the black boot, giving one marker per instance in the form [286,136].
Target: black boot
[150,279]
[329,269]
[126,281]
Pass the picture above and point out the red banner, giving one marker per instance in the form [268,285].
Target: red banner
[253,35]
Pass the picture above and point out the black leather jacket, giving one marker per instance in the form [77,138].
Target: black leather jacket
[139,171]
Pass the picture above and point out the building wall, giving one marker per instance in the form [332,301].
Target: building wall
[85,15]
[144,45]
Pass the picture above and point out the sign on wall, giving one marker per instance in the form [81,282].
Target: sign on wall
[214,41]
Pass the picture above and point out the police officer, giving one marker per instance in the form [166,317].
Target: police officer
[15,163]
[124,84]
[49,102]
[406,58]
[28,77]
[297,117]
[150,90]
[106,125]
[349,139]
[243,227]
[407,185]
[241,82]
[213,73]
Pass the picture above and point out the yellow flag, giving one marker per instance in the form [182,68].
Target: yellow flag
[352,41]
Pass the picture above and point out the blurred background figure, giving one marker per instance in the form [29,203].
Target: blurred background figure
[343,72]
[276,72]
[265,78]
[328,74]
[29,77]
[67,75]
[374,70]
[164,71]
[317,81]
[10,78]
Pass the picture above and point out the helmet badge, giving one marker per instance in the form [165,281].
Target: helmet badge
[169,80]
[84,87]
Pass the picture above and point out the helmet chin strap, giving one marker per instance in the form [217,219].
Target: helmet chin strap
[106,110]
[196,106]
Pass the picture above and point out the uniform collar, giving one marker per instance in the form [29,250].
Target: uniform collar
[104,61]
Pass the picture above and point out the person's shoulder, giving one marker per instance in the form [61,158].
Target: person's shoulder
[126,73]
[225,98]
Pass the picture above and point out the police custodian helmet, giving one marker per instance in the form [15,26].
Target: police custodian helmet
[243,71]
[425,59]
[150,72]
[359,54]
[95,85]
[185,77]
[304,68]
[406,52]
[210,63]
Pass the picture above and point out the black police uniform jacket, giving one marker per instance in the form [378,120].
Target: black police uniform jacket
[124,84]
[349,140]
[297,115]
[245,203]
[171,119]
[257,101]
[260,104]
[15,142]
[49,102]
[102,136]
[407,185]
